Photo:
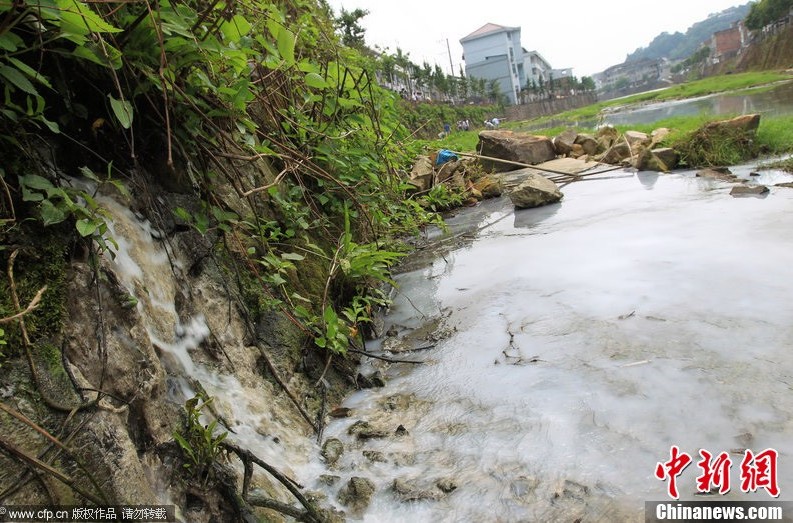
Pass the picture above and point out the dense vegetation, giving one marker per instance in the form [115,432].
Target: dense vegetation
[678,46]
[195,97]
[766,12]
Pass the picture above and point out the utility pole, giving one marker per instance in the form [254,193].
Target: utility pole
[448,50]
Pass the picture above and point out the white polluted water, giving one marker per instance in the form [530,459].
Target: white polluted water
[149,269]
[586,339]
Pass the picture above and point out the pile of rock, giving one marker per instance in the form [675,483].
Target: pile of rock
[462,175]
[631,149]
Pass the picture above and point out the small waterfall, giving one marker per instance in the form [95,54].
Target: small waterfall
[151,271]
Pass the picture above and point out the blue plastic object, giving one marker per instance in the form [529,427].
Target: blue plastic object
[445,155]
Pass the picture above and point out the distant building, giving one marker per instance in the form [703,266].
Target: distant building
[536,68]
[493,52]
[728,43]
[633,74]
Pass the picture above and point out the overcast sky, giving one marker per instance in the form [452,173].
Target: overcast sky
[587,35]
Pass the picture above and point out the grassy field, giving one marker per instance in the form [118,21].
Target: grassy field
[775,135]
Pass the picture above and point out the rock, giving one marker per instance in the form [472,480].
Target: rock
[723,174]
[446,485]
[635,138]
[667,156]
[422,173]
[588,143]
[329,479]
[616,154]
[749,190]
[535,191]
[357,494]
[516,147]
[340,412]
[401,431]
[409,491]
[364,430]
[571,490]
[373,381]
[606,137]
[658,135]
[375,456]
[655,160]
[489,187]
[563,143]
[332,450]
[475,193]
[449,169]
[577,151]
[786,184]
[747,123]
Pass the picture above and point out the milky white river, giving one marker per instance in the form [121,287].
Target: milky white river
[583,340]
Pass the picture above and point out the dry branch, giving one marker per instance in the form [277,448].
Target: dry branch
[32,305]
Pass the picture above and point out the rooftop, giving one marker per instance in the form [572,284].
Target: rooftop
[487,29]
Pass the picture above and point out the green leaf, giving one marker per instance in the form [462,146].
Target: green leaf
[316,81]
[236,28]
[88,173]
[78,19]
[86,227]
[123,111]
[292,256]
[286,45]
[14,76]
[50,214]
[10,42]
[25,68]
[96,54]
[34,181]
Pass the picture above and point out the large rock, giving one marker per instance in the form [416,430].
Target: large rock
[616,154]
[661,160]
[516,147]
[667,156]
[488,186]
[588,143]
[563,143]
[747,123]
[357,494]
[332,450]
[422,173]
[658,136]
[636,139]
[749,190]
[535,191]
[606,137]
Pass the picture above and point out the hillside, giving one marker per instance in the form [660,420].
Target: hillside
[679,46]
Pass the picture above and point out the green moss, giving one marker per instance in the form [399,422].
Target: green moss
[42,261]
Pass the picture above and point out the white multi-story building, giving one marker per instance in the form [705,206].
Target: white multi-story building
[493,52]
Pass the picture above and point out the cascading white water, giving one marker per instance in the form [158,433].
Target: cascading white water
[146,266]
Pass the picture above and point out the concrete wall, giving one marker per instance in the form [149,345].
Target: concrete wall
[548,107]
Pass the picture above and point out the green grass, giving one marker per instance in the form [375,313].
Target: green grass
[710,85]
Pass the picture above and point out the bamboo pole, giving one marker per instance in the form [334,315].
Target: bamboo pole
[543,169]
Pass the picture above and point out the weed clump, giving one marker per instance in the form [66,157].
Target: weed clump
[711,146]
